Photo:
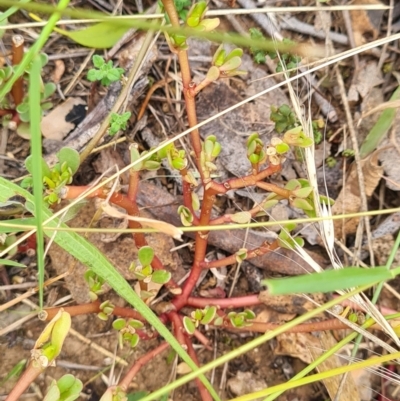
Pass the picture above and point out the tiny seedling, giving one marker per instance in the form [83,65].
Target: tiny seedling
[118,122]
[105,72]
[287,61]
[55,178]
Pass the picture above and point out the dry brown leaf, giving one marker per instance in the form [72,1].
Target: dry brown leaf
[365,21]
[183,368]
[349,200]
[161,226]
[297,345]
[349,390]
[368,76]
[56,124]
[58,71]
[290,303]
[307,348]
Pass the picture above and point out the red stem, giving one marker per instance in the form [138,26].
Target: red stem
[124,383]
[232,259]
[28,377]
[205,395]
[94,307]
[178,327]
[237,302]
[247,181]
[200,251]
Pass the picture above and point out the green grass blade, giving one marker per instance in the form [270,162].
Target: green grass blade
[91,257]
[16,225]
[6,262]
[380,129]
[35,114]
[15,372]
[327,281]
[12,10]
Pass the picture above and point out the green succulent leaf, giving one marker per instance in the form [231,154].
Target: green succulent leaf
[146,255]
[119,324]
[302,192]
[69,156]
[209,315]
[189,325]
[160,276]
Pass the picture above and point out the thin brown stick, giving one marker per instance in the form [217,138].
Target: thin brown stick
[17,90]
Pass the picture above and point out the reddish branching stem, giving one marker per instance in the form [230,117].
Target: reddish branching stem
[200,251]
[178,327]
[204,394]
[243,182]
[94,307]
[124,383]
[232,259]
[28,377]
[224,303]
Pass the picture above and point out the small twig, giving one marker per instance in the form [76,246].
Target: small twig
[17,90]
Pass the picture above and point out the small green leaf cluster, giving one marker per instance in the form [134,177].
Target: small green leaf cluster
[151,163]
[118,122]
[255,149]
[49,344]
[67,388]
[330,161]
[301,196]
[182,8]
[317,126]
[176,157]
[104,72]
[287,241]
[185,215]
[55,178]
[195,19]
[107,308]
[223,65]
[199,316]
[277,150]
[127,331]
[144,272]
[95,284]
[348,153]
[283,117]
[297,137]
[241,319]
[48,90]
[5,73]
[287,61]
[241,255]
[228,64]
[274,153]
[211,148]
